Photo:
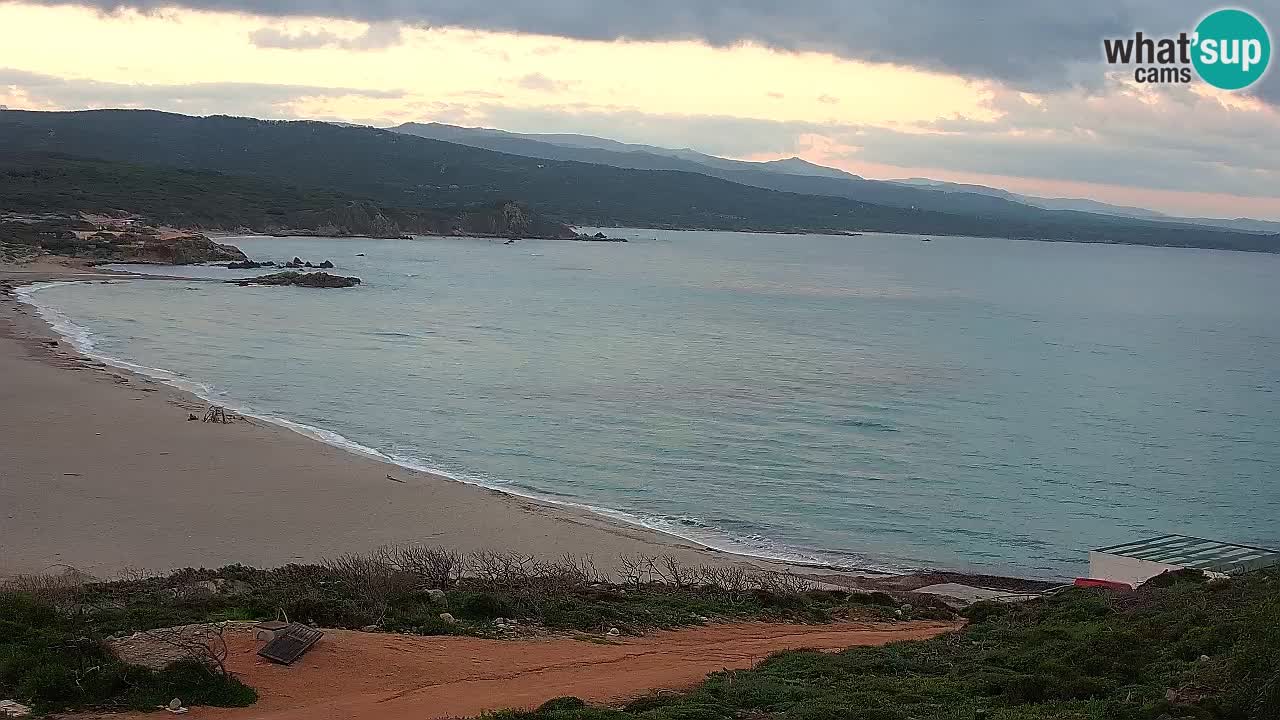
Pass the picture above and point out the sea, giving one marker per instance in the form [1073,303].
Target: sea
[887,402]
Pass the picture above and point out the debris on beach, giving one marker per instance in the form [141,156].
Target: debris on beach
[216,414]
[291,643]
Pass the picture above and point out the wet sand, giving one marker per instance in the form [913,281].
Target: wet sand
[101,470]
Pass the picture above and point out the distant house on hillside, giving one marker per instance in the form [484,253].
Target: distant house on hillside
[1133,563]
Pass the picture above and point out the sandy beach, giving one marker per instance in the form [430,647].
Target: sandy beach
[101,470]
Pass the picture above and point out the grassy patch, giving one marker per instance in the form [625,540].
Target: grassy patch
[54,659]
[1174,649]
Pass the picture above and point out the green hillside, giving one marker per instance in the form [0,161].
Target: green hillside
[402,171]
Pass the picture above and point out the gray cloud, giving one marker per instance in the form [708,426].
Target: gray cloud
[1029,45]
[375,37]
[260,100]
[1187,143]
[542,83]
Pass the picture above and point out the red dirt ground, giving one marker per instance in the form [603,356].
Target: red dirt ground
[353,675]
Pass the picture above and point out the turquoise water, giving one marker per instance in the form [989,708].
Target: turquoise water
[869,401]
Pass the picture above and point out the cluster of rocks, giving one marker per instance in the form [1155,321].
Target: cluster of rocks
[311,280]
[297,262]
[598,237]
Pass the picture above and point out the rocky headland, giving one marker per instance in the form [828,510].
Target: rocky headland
[290,277]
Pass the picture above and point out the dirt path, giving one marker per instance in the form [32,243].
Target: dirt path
[352,676]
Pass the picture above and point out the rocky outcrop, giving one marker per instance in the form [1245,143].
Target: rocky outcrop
[598,237]
[124,241]
[193,249]
[311,280]
[249,265]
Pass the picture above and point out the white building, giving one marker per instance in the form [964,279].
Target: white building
[1136,562]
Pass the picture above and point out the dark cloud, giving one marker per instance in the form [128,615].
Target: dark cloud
[260,100]
[375,37]
[1029,45]
[1268,88]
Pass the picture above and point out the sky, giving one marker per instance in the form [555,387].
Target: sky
[1007,93]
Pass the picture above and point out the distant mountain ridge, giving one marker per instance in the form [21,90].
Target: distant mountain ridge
[798,175]
[1095,206]
[316,170]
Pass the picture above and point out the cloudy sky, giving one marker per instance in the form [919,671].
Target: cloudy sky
[1000,92]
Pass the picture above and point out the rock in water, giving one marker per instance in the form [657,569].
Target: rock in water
[326,265]
[312,280]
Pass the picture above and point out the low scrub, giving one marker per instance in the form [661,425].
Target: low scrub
[1173,649]
[55,659]
[407,588]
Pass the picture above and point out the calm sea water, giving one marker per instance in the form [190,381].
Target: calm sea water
[871,401]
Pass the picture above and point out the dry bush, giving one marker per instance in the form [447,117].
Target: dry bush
[54,588]
[578,569]
[500,569]
[635,569]
[670,571]
[375,582]
[782,583]
[133,575]
[730,578]
[437,567]
[204,643]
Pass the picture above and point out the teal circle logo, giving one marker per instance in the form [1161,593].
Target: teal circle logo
[1232,49]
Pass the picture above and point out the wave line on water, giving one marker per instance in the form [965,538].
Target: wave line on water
[685,528]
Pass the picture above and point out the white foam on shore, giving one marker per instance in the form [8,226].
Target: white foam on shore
[690,529]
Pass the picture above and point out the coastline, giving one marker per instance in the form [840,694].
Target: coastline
[103,472]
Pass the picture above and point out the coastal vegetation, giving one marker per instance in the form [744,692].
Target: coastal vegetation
[1179,647]
[308,175]
[52,628]
[38,183]
[51,658]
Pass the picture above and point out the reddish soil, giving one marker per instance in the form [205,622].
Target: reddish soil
[352,675]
